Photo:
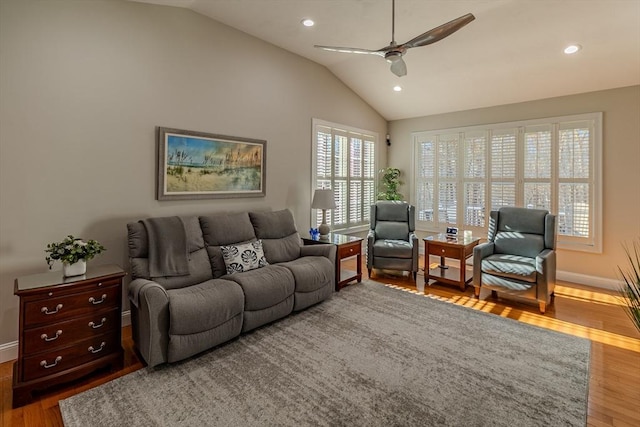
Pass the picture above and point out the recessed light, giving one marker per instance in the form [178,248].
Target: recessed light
[571,49]
[397,88]
[308,22]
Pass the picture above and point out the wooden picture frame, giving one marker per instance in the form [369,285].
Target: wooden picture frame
[198,165]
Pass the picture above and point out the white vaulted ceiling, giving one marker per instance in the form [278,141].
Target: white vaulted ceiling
[512,52]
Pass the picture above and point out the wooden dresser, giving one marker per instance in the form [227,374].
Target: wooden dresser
[69,327]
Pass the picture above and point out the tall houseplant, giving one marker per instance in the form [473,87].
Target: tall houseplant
[630,290]
[390,182]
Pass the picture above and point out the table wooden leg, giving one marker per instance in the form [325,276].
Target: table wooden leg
[463,273]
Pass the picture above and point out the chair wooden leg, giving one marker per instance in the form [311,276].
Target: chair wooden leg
[415,276]
[369,272]
[494,294]
[543,307]
[476,291]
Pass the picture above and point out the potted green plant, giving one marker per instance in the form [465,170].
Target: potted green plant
[630,289]
[73,253]
[390,182]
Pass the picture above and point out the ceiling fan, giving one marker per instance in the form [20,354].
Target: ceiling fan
[394,52]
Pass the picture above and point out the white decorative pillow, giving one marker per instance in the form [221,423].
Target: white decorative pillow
[244,257]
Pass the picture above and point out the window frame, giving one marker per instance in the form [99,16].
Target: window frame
[348,132]
[592,243]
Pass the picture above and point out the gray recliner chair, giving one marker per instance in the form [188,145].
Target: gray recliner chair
[392,243]
[519,257]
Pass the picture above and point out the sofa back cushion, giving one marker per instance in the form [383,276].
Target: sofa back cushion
[280,239]
[199,266]
[224,229]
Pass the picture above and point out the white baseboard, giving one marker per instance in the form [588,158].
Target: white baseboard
[583,279]
[9,351]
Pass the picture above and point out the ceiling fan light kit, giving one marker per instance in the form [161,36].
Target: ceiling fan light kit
[394,52]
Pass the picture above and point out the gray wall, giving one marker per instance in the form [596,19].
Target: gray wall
[621,164]
[83,85]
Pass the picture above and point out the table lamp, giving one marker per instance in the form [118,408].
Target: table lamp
[323,199]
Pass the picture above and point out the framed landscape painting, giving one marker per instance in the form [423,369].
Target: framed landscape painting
[198,165]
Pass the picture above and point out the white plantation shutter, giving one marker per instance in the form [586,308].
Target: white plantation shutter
[552,164]
[340,155]
[574,204]
[323,152]
[474,202]
[447,155]
[475,170]
[425,158]
[538,166]
[339,214]
[503,167]
[344,160]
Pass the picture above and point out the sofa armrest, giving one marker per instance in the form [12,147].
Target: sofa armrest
[415,246]
[371,238]
[328,251]
[479,253]
[150,320]
[546,274]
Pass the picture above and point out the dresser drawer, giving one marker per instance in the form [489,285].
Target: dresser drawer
[348,250]
[56,308]
[50,362]
[445,251]
[65,333]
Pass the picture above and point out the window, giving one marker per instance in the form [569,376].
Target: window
[344,160]
[554,164]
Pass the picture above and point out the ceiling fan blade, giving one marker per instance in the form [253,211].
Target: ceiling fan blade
[438,33]
[398,67]
[350,50]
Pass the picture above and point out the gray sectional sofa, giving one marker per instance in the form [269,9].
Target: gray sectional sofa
[205,301]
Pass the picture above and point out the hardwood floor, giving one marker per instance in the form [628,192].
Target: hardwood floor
[614,377]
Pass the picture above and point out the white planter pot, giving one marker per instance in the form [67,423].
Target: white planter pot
[75,269]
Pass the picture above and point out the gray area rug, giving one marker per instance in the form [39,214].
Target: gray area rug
[369,356]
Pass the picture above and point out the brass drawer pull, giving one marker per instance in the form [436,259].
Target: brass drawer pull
[93,350]
[45,310]
[94,326]
[93,301]
[46,338]
[45,366]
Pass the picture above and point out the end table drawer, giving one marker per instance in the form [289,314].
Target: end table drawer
[348,250]
[62,334]
[50,362]
[54,309]
[444,251]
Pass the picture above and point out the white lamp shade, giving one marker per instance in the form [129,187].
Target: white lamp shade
[323,199]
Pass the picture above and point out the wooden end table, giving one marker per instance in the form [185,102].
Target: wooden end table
[347,247]
[459,248]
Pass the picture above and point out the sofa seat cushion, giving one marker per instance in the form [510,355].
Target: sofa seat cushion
[264,287]
[205,306]
[311,272]
[510,267]
[393,249]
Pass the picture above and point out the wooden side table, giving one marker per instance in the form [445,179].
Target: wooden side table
[459,248]
[69,327]
[347,247]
